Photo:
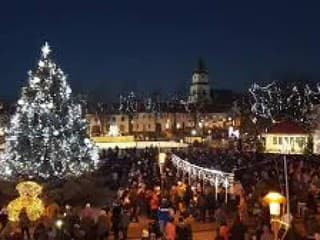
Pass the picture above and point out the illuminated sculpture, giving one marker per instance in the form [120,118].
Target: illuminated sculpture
[114,131]
[28,199]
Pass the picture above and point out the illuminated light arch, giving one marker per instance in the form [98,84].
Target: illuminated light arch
[214,177]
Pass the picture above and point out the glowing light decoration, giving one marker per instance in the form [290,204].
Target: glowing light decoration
[233,133]
[29,200]
[114,131]
[46,134]
[276,101]
[274,199]
[263,99]
[45,49]
[213,177]
[128,104]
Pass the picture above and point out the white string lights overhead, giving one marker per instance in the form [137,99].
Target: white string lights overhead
[213,177]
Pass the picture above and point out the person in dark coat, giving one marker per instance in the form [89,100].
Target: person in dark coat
[103,225]
[124,224]
[116,214]
[238,230]
[202,204]
[70,220]
[3,219]
[24,222]
[40,232]
[183,230]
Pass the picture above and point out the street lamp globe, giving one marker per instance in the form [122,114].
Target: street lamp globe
[59,223]
[274,200]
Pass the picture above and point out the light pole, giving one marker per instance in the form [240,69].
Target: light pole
[285,168]
[274,200]
[161,161]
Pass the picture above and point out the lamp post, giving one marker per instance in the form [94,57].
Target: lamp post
[161,161]
[274,200]
[59,224]
[285,168]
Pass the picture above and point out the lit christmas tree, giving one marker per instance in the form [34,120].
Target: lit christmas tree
[47,134]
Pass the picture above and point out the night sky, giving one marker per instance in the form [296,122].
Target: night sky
[108,47]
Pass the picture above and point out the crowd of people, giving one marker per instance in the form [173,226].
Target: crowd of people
[169,204]
[257,174]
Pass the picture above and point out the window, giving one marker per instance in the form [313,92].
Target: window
[122,118]
[137,126]
[300,141]
[149,126]
[274,140]
[113,119]
[280,140]
[291,140]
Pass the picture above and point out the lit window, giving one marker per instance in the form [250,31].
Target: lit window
[274,140]
[300,141]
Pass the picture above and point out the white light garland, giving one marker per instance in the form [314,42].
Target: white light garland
[275,101]
[47,134]
[216,178]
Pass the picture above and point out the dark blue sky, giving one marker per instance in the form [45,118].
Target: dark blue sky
[107,47]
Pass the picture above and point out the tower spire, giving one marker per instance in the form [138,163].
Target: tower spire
[201,66]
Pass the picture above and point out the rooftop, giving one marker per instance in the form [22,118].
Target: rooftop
[287,127]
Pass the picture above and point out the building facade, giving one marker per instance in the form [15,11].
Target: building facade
[197,116]
[165,125]
[286,137]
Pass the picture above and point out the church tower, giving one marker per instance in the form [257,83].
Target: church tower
[200,90]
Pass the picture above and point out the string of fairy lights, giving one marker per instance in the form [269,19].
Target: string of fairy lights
[275,101]
[214,177]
